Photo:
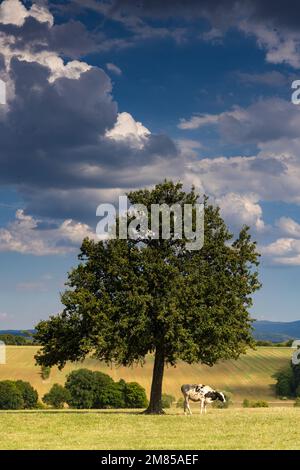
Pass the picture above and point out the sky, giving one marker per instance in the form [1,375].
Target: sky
[105,96]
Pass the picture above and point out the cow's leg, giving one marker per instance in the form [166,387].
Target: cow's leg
[205,409]
[201,406]
[185,405]
[188,406]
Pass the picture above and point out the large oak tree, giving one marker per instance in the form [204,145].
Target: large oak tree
[128,298]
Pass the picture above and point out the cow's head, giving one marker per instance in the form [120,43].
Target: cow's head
[221,397]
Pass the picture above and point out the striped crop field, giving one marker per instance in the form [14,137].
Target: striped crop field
[251,376]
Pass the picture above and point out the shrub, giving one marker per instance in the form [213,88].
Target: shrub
[40,406]
[283,387]
[180,402]
[45,372]
[80,385]
[260,404]
[10,396]
[29,394]
[288,381]
[135,396]
[285,382]
[57,396]
[297,402]
[107,393]
[90,389]
[109,396]
[246,403]
[296,373]
[167,400]
[255,404]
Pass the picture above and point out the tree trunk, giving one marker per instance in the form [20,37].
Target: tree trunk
[155,406]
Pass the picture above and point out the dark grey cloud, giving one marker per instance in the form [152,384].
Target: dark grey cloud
[71,39]
[269,166]
[53,144]
[53,141]
[54,150]
[74,40]
[282,14]
[263,122]
[274,25]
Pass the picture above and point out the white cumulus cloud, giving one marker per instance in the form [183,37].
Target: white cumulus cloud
[126,128]
[24,235]
[14,12]
[242,209]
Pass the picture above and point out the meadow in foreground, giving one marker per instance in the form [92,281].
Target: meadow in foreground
[272,428]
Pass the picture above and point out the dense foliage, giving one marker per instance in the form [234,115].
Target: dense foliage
[135,395]
[57,396]
[93,389]
[83,389]
[297,402]
[288,381]
[29,394]
[16,395]
[255,403]
[10,396]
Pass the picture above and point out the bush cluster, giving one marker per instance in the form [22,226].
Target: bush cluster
[255,404]
[86,389]
[83,389]
[297,402]
[57,396]
[180,402]
[167,400]
[288,382]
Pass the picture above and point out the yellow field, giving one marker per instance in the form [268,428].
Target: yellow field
[250,376]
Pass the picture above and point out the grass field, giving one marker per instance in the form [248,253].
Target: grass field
[271,428]
[250,376]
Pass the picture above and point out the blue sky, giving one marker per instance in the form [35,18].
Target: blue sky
[106,96]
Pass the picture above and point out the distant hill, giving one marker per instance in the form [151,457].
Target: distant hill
[276,331]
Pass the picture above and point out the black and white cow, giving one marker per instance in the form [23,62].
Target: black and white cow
[198,392]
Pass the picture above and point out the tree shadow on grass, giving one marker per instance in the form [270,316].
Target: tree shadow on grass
[73,411]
